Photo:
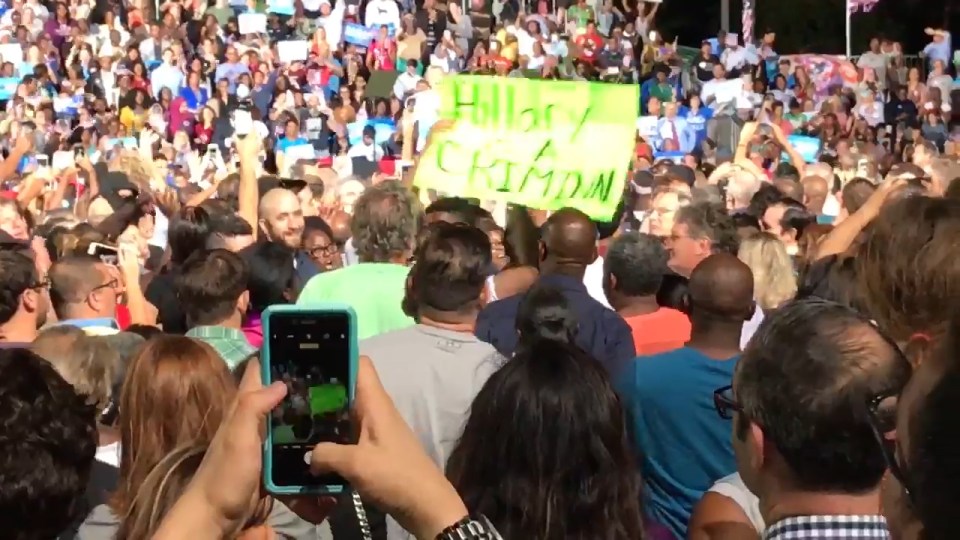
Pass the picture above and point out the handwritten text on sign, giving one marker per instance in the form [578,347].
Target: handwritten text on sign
[543,144]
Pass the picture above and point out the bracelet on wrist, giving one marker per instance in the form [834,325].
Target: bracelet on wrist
[470,528]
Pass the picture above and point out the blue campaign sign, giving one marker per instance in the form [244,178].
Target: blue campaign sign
[8,87]
[362,36]
[358,34]
[807,147]
[676,157]
[125,142]
[281,7]
[384,129]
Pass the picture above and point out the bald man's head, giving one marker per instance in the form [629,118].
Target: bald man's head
[568,238]
[722,286]
[281,218]
[815,191]
[340,225]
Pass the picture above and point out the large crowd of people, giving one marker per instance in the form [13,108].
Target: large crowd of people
[722,358]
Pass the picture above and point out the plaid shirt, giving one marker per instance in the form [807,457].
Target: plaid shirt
[229,343]
[829,527]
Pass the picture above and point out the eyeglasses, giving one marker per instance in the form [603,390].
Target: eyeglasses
[724,402]
[112,284]
[43,283]
[882,414]
[329,249]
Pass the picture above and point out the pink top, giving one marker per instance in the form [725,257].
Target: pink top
[253,330]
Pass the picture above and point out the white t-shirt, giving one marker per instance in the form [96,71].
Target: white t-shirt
[733,488]
[593,280]
[750,327]
[109,454]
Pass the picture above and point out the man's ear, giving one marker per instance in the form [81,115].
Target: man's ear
[705,246]
[757,444]
[243,302]
[29,300]
[749,314]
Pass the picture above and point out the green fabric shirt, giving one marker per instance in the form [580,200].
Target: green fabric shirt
[374,290]
[663,92]
[229,343]
[581,15]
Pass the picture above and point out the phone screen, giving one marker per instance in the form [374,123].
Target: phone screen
[242,122]
[310,353]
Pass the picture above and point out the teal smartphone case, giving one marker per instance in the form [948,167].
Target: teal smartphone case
[323,307]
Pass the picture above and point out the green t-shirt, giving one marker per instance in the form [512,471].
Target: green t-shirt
[663,92]
[581,15]
[375,290]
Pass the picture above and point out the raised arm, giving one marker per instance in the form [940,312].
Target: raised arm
[248,193]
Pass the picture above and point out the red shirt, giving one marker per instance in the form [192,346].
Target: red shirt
[122,317]
[661,331]
[203,134]
[382,57]
[590,46]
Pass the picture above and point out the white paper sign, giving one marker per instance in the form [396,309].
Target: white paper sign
[252,23]
[11,52]
[728,91]
[293,154]
[62,160]
[292,51]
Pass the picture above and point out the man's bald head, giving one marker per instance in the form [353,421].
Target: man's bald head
[340,225]
[275,200]
[722,285]
[569,238]
[815,191]
[281,217]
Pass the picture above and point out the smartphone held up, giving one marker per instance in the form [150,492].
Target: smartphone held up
[313,351]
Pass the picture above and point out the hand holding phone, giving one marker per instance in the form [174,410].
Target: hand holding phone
[107,254]
[313,351]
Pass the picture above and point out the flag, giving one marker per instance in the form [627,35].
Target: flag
[746,21]
[857,5]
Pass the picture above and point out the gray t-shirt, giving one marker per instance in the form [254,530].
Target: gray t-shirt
[432,375]
[102,524]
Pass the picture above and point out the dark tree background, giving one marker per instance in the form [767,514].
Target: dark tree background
[814,25]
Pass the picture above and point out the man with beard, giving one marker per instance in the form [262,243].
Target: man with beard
[281,221]
[24,298]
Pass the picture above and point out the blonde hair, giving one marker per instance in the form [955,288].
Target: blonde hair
[774,281]
[89,364]
[160,490]
[138,170]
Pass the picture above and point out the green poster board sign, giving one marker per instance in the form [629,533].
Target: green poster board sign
[543,144]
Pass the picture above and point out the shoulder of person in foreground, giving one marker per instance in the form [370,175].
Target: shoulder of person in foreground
[100,524]
[718,517]
[288,525]
[320,286]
